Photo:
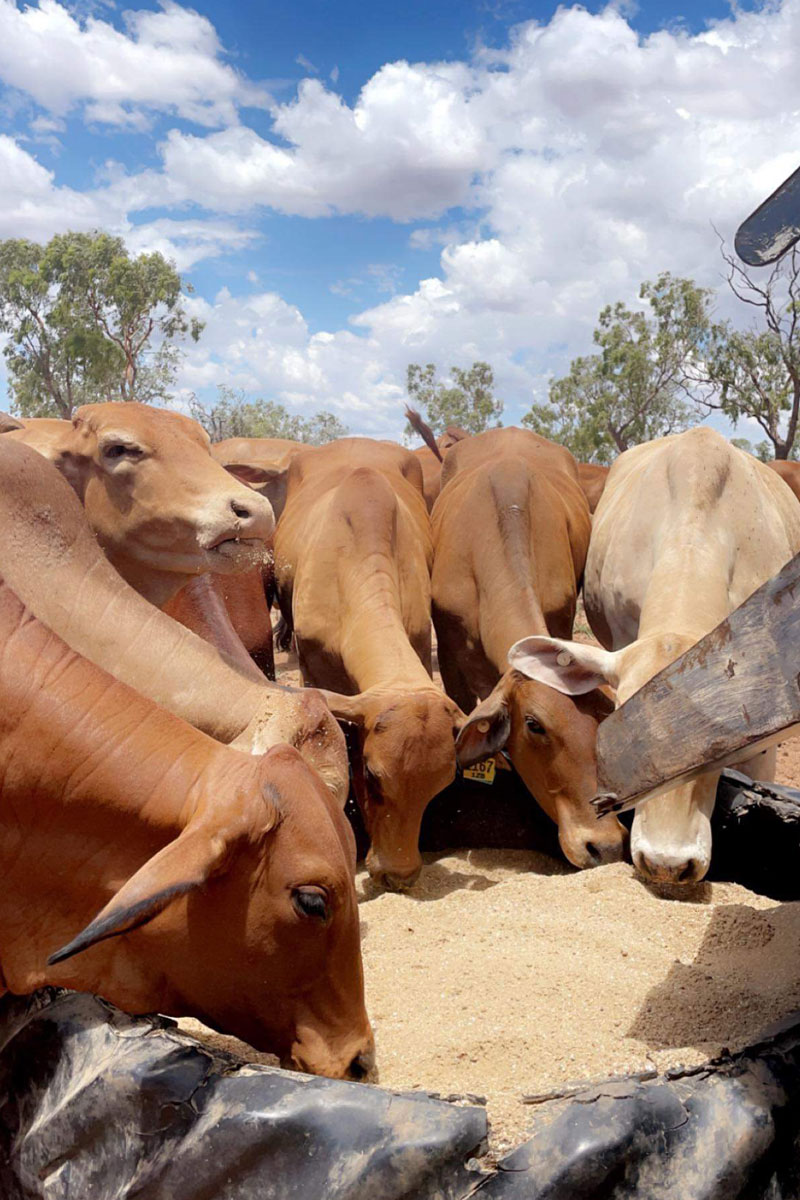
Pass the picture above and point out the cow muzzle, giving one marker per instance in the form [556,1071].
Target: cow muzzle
[395,877]
[592,844]
[238,529]
[671,836]
[355,1062]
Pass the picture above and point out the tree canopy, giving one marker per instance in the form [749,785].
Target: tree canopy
[755,372]
[86,321]
[235,416]
[466,399]
[637,387]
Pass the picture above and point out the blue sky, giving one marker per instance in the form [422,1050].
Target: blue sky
[351,188]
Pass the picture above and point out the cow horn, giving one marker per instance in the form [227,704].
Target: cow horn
[184,864]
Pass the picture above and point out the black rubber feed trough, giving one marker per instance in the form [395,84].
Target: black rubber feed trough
[97,1105]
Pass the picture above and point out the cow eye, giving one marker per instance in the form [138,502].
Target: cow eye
[311,902]
[533,726]
[117,450]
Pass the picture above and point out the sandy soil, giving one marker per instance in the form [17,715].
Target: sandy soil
[506,973]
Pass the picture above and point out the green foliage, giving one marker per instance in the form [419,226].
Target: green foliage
[467,400]
[235,416]
[762,450]
[87,322]
[638,386]
[756,372]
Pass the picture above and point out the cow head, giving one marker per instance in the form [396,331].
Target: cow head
[247,920]
[671,834]
[402,755]
[159,504]
[550,738]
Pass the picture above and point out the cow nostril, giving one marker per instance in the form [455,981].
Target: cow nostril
[360,1067]
[240,510]
[593,852]
[689,872]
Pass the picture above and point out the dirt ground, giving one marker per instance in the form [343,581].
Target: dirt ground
[506,973]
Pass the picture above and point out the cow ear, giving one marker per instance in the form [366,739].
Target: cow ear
[7,423]
[570,667]
[256,478]
[346,708]
[486,729]
[180,867]
[270,482]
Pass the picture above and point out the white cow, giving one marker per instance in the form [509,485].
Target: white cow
[688,527]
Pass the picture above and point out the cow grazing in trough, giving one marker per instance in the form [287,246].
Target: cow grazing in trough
[352,563]
[511,532]
[147,863]
[50,558]
[592,478]
[160,506]
[688,528]
[789,473]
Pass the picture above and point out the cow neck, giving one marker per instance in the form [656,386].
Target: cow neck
[158,587]
[506,616]
[376,650]
[200,607]
[683,595]
[74,736]
[44,529]
[509,606]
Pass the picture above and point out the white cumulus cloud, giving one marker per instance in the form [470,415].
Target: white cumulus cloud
[561,171]
[165,61]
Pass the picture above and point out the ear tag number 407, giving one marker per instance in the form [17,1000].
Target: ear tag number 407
[481,772]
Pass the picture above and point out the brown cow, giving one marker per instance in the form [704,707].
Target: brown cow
[159,504]
[352,560]
[789,473]
[167,872]
[592,478]
[94,610]
[511,532]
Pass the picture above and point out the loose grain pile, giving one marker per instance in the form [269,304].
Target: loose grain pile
[498,975]
[506,973]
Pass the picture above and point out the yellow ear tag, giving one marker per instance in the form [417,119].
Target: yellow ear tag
[481,772]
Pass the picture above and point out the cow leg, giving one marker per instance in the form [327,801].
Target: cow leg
[761,766]
[283,633]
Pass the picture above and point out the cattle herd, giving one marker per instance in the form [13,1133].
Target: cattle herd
[172,826]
